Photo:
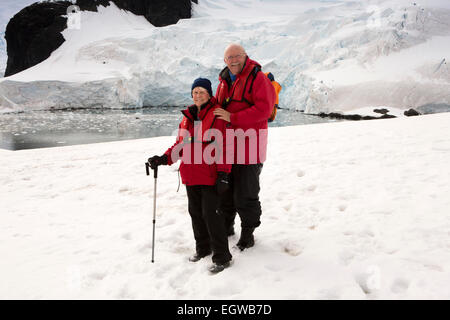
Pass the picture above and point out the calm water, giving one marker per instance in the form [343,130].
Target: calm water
[41,129]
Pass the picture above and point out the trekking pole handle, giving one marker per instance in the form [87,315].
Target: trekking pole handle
[147,170]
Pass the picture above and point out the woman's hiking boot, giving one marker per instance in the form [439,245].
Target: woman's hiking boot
[197,256]
[218,267]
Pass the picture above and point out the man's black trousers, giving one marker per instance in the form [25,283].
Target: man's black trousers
[243,196]
[208,224]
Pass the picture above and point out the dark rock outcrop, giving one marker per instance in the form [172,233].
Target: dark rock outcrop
[382,111]
[35,32]
[411,112]
[335,115]
[159,13]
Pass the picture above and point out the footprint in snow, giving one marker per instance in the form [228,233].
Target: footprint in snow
[391,251]
[127,236]
[273,267]
[124,293]
[124,189]
[434,267]
[346,257]
[225,289]
[67,166]
[279,196]
[329,294]
[287,206]
[292,249]
[400,285]
[300,173]
[145,248]
[182,249]
[97,275]
[370,280]
[162,270]
[181,277]
[167,222]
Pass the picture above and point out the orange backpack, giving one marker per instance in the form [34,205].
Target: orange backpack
[278,88]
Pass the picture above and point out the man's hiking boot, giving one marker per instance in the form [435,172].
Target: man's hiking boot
[247,239]
[246,244]
[197,256]
[218,267]
[230,231]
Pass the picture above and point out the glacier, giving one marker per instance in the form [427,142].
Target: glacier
[329,56]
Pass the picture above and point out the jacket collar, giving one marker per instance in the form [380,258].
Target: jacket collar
[192,113]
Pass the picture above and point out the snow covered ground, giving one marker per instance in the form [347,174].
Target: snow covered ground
[329,56]
[351,210]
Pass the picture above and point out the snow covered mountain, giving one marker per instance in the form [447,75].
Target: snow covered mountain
[328,55]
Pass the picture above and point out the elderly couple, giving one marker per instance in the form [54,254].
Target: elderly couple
[243,102]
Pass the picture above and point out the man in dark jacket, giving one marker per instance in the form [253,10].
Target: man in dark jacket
[247,97]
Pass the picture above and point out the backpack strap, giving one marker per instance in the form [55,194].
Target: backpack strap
[254,73]
[239,91]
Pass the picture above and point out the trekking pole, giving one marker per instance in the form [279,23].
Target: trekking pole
[155,175]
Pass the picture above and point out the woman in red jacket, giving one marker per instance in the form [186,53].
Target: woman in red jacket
[201,147]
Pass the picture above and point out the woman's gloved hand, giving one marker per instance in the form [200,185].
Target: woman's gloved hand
[156,161]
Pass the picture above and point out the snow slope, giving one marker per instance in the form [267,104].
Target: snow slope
[357,210]
[328,55]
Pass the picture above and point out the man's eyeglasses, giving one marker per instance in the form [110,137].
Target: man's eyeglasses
[229,58]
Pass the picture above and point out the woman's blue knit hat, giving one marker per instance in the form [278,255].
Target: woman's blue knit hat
[204,83]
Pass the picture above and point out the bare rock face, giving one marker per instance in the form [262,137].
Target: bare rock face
[411,112]
[35,32]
